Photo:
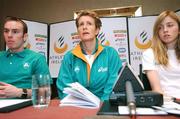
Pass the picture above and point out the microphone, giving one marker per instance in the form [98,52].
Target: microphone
[130,99]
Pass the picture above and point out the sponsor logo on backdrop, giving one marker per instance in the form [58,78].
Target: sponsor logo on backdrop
[56,59]
[60,46]
[120,37]
[142,41]
[121,50]
[120,40]
[123,56]
[41,41]
[75,39]
[101,37]
[136,55]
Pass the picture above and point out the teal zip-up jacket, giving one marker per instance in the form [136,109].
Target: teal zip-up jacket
[99,79]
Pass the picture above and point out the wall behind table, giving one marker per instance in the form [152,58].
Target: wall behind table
[61,10]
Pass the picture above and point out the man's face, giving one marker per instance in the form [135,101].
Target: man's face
[13,35]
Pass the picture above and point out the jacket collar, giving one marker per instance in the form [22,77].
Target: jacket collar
[21,54]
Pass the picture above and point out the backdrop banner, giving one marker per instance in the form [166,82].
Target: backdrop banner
[140,35]
[37,37]
[63,37]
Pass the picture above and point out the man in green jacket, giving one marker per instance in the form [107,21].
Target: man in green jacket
[18,64]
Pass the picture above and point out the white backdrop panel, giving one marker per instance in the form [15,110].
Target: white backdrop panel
[115,32]
[37,37]
[140,34]
[63,37]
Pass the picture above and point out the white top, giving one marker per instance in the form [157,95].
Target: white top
[90,59]
[169,77]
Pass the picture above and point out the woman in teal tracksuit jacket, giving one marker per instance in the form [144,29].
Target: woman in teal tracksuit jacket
[99,74]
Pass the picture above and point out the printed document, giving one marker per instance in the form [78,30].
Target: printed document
[79,96]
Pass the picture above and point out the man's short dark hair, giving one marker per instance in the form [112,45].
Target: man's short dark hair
[25,28]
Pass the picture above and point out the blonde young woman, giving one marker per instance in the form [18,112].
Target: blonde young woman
[161,62]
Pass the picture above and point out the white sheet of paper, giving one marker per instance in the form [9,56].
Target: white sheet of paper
[124,110]
[9,102]
[170,107]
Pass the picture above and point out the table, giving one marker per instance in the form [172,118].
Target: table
[56,112]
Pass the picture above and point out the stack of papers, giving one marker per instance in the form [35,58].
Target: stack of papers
[167,108]
[124,110]
[7,105]
[80,97]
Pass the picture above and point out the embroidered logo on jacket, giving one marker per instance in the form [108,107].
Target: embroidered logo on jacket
[77,69]
[26,65]
[101,69]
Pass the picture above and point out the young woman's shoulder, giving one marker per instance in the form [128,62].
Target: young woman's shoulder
[148,51]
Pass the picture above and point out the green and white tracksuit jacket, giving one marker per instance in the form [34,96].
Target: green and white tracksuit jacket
[99,79]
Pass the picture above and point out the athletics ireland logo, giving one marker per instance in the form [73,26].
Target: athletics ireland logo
[142,41]
[60,46]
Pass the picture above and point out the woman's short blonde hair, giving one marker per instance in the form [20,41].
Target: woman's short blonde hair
[92,14]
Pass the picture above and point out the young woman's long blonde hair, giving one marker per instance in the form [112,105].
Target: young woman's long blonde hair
[159,48]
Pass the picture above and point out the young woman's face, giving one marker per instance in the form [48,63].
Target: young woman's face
[87,29]
[169,31]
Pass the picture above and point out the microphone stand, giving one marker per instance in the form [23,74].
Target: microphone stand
[131,100]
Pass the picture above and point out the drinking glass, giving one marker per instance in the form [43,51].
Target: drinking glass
[41,90]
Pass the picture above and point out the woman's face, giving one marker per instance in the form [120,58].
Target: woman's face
[87,29]
[169,31]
